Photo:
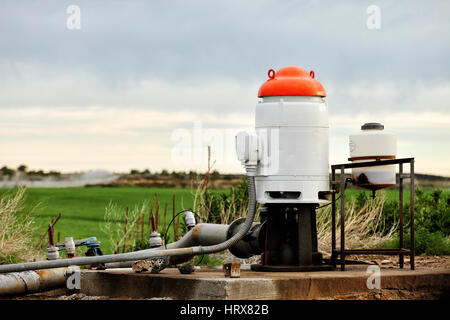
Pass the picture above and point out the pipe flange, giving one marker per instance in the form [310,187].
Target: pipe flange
[245,247]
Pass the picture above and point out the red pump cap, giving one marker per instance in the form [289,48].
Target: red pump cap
[291,81]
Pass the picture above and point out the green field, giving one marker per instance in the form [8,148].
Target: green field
[83,208]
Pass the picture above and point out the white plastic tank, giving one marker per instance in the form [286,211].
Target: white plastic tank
[291,123]
[373,144]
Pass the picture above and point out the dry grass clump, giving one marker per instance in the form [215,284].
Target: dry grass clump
[364,227]
[232,212]
[214,206]
[125,235]
[217,208]
[129,230]
[16,229]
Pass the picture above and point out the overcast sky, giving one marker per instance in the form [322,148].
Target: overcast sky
[120,91]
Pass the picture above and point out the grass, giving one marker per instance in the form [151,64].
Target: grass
[83,209]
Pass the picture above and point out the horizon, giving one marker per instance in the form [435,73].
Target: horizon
[169,172]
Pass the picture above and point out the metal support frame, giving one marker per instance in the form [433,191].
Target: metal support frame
[401,251]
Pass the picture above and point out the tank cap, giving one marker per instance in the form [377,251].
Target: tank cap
[372,126]
[291,81]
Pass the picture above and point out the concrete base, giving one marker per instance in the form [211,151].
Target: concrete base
[288,268]
[206,284]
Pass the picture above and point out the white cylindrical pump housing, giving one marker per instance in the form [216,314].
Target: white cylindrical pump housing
[291,131]
[292,149]
[372,144]
[288,150]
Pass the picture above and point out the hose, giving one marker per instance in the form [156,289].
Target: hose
[243,230]
[148,253]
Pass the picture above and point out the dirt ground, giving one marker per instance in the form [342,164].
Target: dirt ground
[383,261]
[393,261]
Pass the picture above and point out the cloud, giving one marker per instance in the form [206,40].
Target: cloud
[180,41]
[106,121]
[123,138]
[110,94]
[405,96]
[32,85]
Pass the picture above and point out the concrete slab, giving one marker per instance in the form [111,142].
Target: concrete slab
[207,284]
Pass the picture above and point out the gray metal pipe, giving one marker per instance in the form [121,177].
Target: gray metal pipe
[201,234]
[137,255]
[149,253]
[33,281]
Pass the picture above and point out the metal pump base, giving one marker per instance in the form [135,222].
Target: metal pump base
[288,238]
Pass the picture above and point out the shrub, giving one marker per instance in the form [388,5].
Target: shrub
[432,211]
[425,242]
[431,222]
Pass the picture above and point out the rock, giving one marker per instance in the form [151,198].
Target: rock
[386,262]
[75,296]
[186,269]
[92,298]
[153,265]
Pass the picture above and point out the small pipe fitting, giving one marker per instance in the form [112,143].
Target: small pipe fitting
[52,253]
[189,219]
[70,247]
[155,240]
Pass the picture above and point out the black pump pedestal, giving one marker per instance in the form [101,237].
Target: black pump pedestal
[288,239]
